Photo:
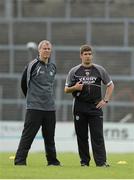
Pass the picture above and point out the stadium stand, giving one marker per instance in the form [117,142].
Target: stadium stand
[108,25]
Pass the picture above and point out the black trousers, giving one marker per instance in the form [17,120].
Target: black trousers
[83,122]
[33,121]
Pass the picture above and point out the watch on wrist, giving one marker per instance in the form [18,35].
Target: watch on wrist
[106,101]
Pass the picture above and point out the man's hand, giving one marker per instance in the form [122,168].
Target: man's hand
[78,86]
[101,104]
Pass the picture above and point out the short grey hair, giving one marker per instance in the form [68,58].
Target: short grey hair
[43,42]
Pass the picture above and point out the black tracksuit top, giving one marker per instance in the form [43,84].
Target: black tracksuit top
[92,78]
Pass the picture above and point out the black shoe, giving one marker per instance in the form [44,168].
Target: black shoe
[54,164]
[103,165]
[20,162]
[84,165]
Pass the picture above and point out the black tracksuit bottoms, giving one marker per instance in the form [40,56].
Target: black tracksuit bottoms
[33,121]
[83,122]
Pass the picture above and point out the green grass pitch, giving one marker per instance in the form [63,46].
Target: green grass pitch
[36,167]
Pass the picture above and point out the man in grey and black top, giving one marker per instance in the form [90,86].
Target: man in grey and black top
[84,82]
[37,85]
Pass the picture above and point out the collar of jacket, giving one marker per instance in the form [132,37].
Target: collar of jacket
[42,61]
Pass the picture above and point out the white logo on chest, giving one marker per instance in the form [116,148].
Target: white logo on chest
[51,73]
[39,71]
[88,80]
[42,72]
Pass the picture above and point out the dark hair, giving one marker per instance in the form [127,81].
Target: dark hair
[84,48]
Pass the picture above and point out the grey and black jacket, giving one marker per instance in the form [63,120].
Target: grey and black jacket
[37,85]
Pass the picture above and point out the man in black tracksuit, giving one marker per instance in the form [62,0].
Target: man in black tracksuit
[84,82]
[37,85]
